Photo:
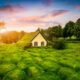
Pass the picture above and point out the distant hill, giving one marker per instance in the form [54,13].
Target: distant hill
[11,36]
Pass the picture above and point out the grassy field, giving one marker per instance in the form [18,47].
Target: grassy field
[40,63]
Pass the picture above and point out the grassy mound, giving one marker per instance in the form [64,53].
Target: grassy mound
[40,63]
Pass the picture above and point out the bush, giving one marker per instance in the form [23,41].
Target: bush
[66,73]
[15,74]
[59,44]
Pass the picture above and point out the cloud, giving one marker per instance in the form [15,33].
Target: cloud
[38,22]
[58,12]
[10,8]
[43,18]
[47,2]
[78,7]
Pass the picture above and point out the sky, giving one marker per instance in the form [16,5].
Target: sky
[28,15]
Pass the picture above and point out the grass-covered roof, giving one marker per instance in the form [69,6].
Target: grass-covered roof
[27,38]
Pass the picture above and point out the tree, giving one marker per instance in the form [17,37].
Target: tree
[54,32]
[77,28]
[68,30]
[57,31]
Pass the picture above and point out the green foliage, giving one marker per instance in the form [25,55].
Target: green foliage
[59,44]
[52,32]
[43,63]
[68,30]
[77,28]
[66,73]
[25,42]
[16,74]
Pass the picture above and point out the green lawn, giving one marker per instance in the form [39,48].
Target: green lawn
[40,63]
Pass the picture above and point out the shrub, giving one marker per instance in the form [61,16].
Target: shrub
[66,73]
[50,66]
[33,71]
[6,67]
[59,44]
[15,74]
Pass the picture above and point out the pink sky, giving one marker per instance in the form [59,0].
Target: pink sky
[29,18]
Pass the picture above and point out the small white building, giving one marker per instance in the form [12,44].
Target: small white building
[38,40]
[34,39]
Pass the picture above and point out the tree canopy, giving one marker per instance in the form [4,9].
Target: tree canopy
[68,30]
[77,28]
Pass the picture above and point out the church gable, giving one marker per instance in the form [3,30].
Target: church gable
[39,40]
[34,38]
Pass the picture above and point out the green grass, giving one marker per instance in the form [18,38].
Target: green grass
[43,63]
[26,40]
